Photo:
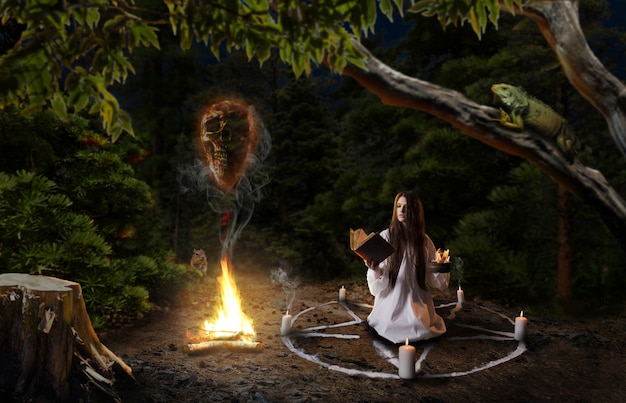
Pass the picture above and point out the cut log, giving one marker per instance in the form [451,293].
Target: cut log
[49,350]
[197,348]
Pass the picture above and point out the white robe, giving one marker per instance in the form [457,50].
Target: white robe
[406,310]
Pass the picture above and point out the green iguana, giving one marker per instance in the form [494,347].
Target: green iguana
[517,109]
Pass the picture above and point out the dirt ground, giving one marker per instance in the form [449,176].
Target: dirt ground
[566,359]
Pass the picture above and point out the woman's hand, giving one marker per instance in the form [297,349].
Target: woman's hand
[377,269]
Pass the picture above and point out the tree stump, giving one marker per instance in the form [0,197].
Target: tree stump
[49,350]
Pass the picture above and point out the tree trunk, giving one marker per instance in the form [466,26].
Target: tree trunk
[564,264]
[560,25]
[564,270]
[176,226]
[49,350]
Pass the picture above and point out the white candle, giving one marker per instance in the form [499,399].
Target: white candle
[342,294]
[460,295]
[406,357]
[285,326]
[520,327]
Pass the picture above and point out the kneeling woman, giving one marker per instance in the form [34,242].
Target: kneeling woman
[403,305]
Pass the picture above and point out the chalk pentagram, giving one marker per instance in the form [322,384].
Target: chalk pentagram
[388,353]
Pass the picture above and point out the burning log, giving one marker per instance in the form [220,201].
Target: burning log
[48,347]
[196,348]
[223,335]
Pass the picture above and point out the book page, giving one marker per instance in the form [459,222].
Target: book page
[358,237]
[370,247]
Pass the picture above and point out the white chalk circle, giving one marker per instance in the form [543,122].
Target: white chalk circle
[389,353]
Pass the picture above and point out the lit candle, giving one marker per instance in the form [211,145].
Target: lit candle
[520,327]
[342,294]
[406,356]
[285,327]
[460,295]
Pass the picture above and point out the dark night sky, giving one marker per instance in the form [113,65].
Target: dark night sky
[618,18]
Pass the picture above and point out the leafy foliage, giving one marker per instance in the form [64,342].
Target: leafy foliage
[512,243]
[456,12]
[69,56]
[79,227]
[41,234]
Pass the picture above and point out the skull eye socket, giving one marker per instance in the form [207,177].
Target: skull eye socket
[212,126]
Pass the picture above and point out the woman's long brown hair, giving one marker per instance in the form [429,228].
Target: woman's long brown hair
[409,236]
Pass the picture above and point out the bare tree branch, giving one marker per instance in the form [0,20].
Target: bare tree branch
[478,121]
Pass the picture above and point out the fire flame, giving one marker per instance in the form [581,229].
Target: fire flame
[229,322]
[442,256]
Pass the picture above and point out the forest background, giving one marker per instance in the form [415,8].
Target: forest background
[115,218]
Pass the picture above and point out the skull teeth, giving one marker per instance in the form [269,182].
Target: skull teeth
[220,161]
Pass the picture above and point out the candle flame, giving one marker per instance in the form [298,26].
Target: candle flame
[521,314]
[407,342]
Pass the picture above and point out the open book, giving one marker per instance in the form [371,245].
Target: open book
[372,247]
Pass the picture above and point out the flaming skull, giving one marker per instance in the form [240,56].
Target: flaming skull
[228,138]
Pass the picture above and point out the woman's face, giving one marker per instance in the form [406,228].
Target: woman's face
[401,209]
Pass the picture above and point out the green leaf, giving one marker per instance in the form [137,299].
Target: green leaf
[494,13]
[126,122]
[115,131]
[426,7]
[385,7]
[249,48]
[263,53]
[144,35]
[474,22]
[81,102]
[355,57]
[95,107]
[400,7]
[57,19]
[509,5]
[93,17]
[298,65]
[58,104]
[113,22]
[185,36]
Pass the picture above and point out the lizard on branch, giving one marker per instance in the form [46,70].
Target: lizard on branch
[518,108]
